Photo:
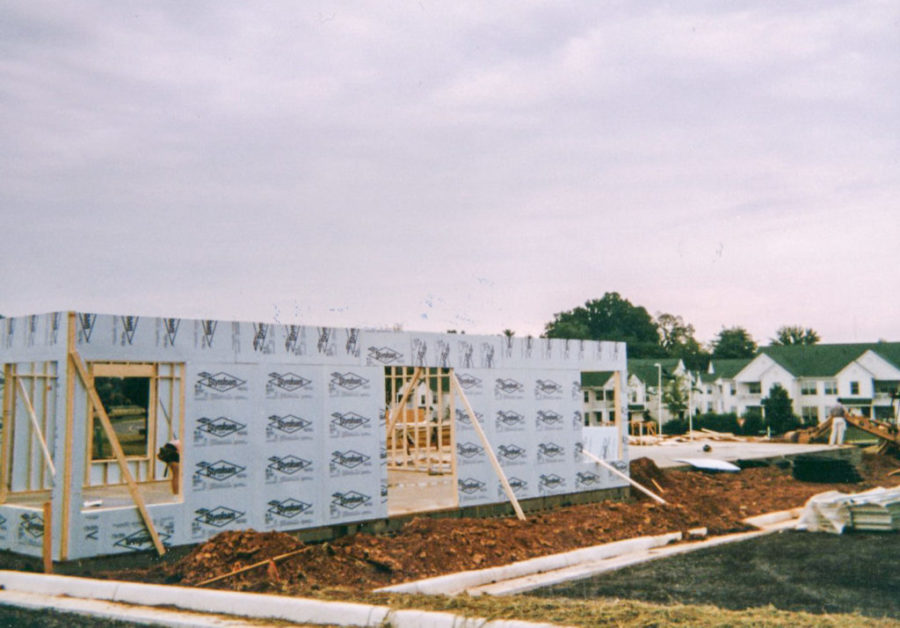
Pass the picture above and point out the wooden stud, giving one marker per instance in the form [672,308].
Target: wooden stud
[488,449]
[401,406]
[6,436]
[88,383]
[48,537]
[37,427]
[68,436]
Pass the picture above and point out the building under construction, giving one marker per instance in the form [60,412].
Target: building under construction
[126,433]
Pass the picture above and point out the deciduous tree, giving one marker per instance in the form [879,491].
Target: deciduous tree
[795,335]
[734,342]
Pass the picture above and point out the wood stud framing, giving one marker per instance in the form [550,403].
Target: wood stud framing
[420,433]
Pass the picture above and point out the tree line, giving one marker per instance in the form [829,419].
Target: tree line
[666,335]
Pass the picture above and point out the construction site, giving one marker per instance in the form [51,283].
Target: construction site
[341,469]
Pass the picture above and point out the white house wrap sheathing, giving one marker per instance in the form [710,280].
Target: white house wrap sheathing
[284,425]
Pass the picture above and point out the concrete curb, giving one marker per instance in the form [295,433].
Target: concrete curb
[254,605]
[452,584]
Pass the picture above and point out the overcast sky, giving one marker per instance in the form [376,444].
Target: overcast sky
[454,165]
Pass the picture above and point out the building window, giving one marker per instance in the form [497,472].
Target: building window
[807,388]
[144,404]
[587,397]
[810,414]
[830,387]
[598,418]
[886,387]
[587,418]
[754,388]
[854,388]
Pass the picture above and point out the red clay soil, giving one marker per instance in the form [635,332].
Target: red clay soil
[429,547]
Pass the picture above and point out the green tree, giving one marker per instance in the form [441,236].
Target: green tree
[677,340]
[674,396]
[795,335]
[734,342]
[779,411]
[509,333]
[609,318]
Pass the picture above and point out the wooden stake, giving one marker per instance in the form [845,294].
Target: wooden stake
[37,426]
[487,448]
[88,383]
[48,537]
[6,436]
[606,465]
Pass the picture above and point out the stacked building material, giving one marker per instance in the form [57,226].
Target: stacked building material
[875,510]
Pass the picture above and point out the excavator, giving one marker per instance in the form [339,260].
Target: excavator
[887,433]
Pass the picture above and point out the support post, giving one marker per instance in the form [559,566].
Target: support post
[48,459]
[6,434]
[487,448]
[403,399]
[88,383]
[606,465]
[71,331]
[48,537]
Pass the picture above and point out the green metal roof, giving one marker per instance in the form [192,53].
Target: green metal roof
[828,360]
[595,379]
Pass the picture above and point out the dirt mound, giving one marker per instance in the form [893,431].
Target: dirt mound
[429,547]
[645,472]
[228,551]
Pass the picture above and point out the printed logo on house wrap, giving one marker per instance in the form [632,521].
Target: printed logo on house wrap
[509,421]
[92,533]
[295,340]
[470,486]
[348,384]
[468,451]
[2,522]
[218,517]
[219,472]
[129,327]
[470,383]
[31,528]
[512,454]
[86,322]
[141,540]
[547,389]
[288,385]
[263,340]
[586,479]
[384,355]
[577,420]
[462,416]
[287,469]
[167,331]
[507,388]
[551,482]
[550,452]
[518,486]
[208,333]
[548,420]
[348,501]
[349,424]
[286,509]
[220,382]
[222,429]
[288,427]
[350,462]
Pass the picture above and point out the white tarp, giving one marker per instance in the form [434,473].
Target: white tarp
[834,511]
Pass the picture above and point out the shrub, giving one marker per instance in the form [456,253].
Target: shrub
[717,422]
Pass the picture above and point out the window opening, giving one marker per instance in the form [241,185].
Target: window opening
[144,402]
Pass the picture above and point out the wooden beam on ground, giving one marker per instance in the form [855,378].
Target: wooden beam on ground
[88,383]
[606,465]
[35,424]
[487,448]
[241,570]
